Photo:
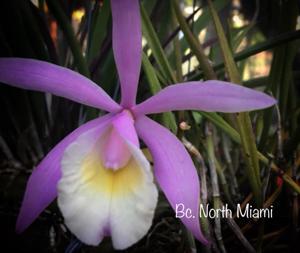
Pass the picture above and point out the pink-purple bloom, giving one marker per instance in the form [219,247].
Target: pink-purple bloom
[103,182]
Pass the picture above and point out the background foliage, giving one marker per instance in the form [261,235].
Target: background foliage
[246,158]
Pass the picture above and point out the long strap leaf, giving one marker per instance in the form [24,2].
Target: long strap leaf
[243,119]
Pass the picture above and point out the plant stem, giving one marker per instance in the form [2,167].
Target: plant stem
[215,185]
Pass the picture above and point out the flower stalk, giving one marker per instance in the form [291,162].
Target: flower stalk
[205,225]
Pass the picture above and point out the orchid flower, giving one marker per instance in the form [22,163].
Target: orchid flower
[103,183]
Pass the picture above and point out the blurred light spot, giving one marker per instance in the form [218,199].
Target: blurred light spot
[189,10]
[77,15]
[35,2]
[237,20]
[236,3]
[76,18]
[144,41]
[258,65]
[298,23]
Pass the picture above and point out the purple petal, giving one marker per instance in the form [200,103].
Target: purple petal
[127,46]
[43,76]
[210,96]
[41,186]
[174,170]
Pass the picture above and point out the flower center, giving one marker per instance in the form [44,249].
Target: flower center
[115,154]
[115,151]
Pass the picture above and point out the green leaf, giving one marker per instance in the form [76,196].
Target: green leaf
[33,31]
[256,49]
[98,29]
[240,35]
[193,42]
[234,135]
[243,119]
[223,125]
[66,26]
[156,48]
[281,76]
[167,117]
[203,21]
